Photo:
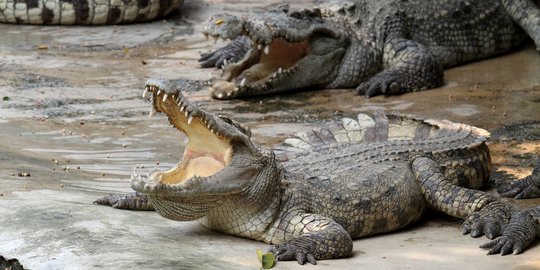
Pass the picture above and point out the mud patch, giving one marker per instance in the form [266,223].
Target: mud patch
[31,81]
[525,131]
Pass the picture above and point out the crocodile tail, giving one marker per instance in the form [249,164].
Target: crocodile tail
[366,129]
[84,12]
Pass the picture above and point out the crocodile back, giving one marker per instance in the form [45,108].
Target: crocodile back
[348,144]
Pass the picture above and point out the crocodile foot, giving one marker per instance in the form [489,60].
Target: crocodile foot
[131,201]
[489,221]
[384,83]
[230,53]
[300,249]
[519,233]
[528,187]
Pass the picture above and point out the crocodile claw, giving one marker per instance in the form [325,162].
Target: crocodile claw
[519,234]
[528,187]
[488,221]
[131,201]
[294,250]
[230,53]
[382,84]
[503,245]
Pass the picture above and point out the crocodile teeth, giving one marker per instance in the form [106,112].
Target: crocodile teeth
[165,96]
[182,108]
[274,74]
[243,82]
[225,62]
[266,49]
[151,113]
[145,92]
[158,92]
[259,46]
[186,113]
[190,118]
[279,70]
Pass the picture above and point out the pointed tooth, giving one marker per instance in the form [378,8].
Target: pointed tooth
[212,130]
[259,46]
[190,118]
[179,102]
[182,108]
[274,74]
[145,92]
[225,62]
[243,82]
[280,70]
[266,49]
[165,96]
[151,113]
[158,92]
[186,114]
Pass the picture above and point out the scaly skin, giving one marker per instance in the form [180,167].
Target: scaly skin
[349,179]
[85,12]
[11,264]
[378,47]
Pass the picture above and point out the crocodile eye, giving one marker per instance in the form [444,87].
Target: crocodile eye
[242,128]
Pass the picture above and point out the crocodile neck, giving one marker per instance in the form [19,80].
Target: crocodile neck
[252,213]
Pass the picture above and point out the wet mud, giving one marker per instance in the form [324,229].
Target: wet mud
[73,124]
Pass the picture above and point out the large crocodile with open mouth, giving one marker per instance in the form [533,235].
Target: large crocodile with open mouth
[352,178]
[85,12]
[378,47]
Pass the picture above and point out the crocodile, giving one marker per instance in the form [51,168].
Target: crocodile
[85,12]
[312,196]
[11,264]
[377,47]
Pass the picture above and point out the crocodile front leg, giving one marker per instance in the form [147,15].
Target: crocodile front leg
[408,67]
[230,53]
[314,238]
[524,188]
[130,201]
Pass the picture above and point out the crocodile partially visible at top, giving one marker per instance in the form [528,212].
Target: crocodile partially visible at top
[85,12]
[351,178]
[378,47]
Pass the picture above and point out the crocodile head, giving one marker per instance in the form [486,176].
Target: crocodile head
[219,160]
[289,50]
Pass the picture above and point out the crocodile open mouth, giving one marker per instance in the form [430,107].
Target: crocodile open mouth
[207,151]
[262,66]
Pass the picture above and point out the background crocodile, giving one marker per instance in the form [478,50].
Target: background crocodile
[379,47]
[350,179]
[85,11]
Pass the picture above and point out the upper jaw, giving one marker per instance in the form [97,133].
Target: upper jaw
[208,152]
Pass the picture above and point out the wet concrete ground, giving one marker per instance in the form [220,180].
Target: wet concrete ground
[73,121]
